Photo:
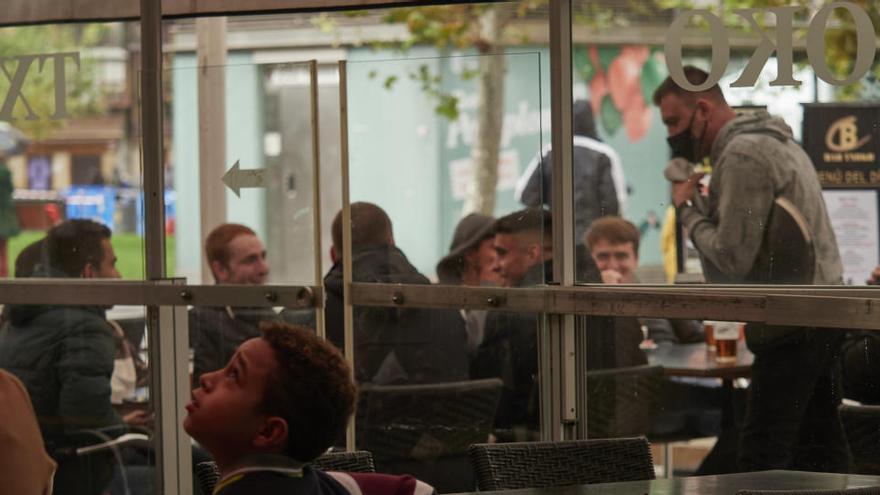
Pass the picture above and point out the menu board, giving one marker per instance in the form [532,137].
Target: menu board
[854,218]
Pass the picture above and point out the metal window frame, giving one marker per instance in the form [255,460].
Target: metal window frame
[166,300]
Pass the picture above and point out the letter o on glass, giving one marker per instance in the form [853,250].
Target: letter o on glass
[720,49]
[865,46]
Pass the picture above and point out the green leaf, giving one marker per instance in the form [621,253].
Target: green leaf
[447,106]
[582,64]
[610,116]
[651,77]
[389,82]
[607,54]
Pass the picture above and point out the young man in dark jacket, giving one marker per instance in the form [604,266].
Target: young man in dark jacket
[391,345]
[64,356]
[235,256]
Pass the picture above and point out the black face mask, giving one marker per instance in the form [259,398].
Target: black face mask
[684,145]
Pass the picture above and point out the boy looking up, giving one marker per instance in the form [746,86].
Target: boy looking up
[279,403]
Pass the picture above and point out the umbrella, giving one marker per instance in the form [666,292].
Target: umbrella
[12,140]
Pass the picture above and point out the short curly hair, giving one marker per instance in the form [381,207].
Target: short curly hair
[313,389]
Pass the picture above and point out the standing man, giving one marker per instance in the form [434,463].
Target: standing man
[599,187]
[791,419]
[64,357]
[235,256]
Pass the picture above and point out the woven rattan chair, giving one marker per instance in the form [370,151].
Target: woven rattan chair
[508,466]
[425,430]
[621,402]
[862,427]
[869,490]
[359,461]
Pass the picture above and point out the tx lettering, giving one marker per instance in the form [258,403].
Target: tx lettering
[782,46]
[17,79]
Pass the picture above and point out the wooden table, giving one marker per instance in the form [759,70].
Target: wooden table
[695,360]
[724,484]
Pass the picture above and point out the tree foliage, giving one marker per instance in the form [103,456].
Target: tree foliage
[83,97]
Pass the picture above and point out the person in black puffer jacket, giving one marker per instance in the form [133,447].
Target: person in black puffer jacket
[64,357]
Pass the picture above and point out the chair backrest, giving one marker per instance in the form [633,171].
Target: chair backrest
[426,421]
[359,461]
[508,466]
[868,490]
[862,427]
[621,402]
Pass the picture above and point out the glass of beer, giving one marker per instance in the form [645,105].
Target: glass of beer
[709,332]
[726,338]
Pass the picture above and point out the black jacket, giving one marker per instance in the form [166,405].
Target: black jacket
[509,349]
[396,345]
[64,357]
[216,332]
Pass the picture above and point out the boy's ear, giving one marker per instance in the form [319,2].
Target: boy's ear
[272,434]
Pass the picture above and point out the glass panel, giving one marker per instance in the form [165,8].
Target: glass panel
[69,174]
[249,221]
[784,195]
[410,197]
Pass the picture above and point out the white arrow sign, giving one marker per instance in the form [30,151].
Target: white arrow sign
[236,179]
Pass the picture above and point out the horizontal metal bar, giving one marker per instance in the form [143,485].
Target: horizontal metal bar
[774,307]
[149,293]
[867,292]
[17,12]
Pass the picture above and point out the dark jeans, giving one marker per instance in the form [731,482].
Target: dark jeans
[791,419]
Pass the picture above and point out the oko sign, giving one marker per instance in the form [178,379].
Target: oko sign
[782,45]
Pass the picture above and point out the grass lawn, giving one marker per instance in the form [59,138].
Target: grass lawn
[129,250]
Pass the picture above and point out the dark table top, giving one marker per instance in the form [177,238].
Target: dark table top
[725,484]
[697,361]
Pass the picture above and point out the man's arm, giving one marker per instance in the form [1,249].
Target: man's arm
[84,368]
[746,198]
[529,189]
[608,203]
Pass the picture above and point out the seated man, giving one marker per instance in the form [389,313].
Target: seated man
[614,245]
[278,404]
[469,262]
[235,256]
[391,345]
[524,249]
[64,356]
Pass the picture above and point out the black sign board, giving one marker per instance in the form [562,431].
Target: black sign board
[843,140]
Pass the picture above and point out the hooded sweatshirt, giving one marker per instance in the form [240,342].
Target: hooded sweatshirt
[756,160]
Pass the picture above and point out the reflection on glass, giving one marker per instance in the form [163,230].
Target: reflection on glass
[265,181]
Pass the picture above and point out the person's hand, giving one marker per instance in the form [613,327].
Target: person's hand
[138,418]
[875,277]
[684,191]
[611,277]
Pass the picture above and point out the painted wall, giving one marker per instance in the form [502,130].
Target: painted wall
[244,142]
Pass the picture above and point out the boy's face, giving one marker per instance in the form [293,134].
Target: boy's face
[224,415]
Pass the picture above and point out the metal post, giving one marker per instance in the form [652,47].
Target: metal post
[559,342]
[211,75]
[348,316]
[167,468]
[316,194]
[172,362]
[151,124]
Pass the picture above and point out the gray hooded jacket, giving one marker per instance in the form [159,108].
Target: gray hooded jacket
[755,160]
